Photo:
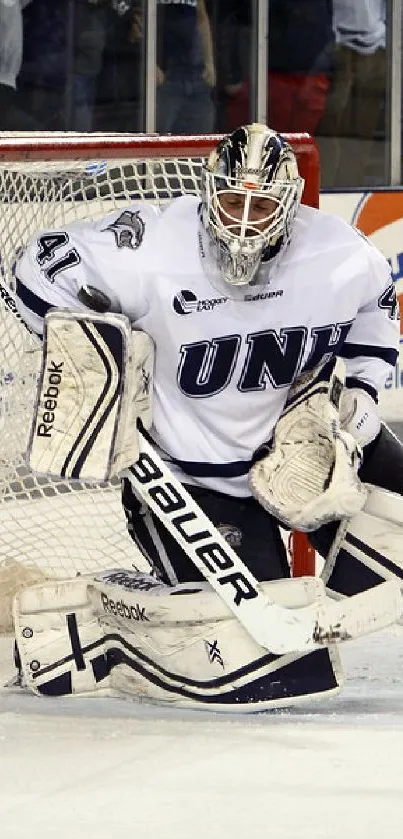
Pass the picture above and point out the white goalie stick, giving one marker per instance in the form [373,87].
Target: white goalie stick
[276,628]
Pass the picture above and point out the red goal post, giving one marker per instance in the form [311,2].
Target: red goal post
[36,148]
[48,527]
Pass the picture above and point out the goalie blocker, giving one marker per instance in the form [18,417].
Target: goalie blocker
[94,386]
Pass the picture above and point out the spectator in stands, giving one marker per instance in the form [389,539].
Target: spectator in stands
[355,104]
[233,50]
[89,38]
[63,56]
[12,115]
[186,69]
[301,43]
[119,97]
[43,72]
[63,44]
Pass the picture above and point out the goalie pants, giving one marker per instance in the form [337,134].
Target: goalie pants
[247,527]
[251,531]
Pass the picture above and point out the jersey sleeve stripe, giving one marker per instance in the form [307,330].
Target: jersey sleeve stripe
[31,300]
[387,354]
[354,381]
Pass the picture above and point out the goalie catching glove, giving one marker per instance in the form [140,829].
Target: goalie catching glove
[307,474]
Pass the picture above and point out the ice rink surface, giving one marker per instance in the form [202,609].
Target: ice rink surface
[95,769]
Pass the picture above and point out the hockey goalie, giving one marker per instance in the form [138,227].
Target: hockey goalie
[222,358]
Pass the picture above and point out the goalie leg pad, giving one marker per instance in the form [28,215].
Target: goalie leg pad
[59,639]
[368,548]
[95,383]
[128,635]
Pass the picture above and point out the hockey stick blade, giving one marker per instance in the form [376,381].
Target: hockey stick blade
[276,628]
[361,614]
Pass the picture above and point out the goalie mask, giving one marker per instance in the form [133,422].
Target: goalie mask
[251,191]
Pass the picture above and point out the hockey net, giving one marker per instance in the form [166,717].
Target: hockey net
[51,528]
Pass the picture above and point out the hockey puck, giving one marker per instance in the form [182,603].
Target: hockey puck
[94,299]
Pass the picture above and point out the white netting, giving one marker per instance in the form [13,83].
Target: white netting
[60,527]
[47,181]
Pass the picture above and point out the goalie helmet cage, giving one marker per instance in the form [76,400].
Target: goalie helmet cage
[49,527]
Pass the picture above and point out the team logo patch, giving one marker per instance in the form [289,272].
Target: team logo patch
[185,303]
[128,230]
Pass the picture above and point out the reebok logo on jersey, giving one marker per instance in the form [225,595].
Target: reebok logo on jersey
[9,302]
[186,302]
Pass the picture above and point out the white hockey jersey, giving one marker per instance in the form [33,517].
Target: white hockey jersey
[224,360]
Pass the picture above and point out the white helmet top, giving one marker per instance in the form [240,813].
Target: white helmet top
[252,161]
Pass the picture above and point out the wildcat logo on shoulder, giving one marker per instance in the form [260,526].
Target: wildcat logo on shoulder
[128,229]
